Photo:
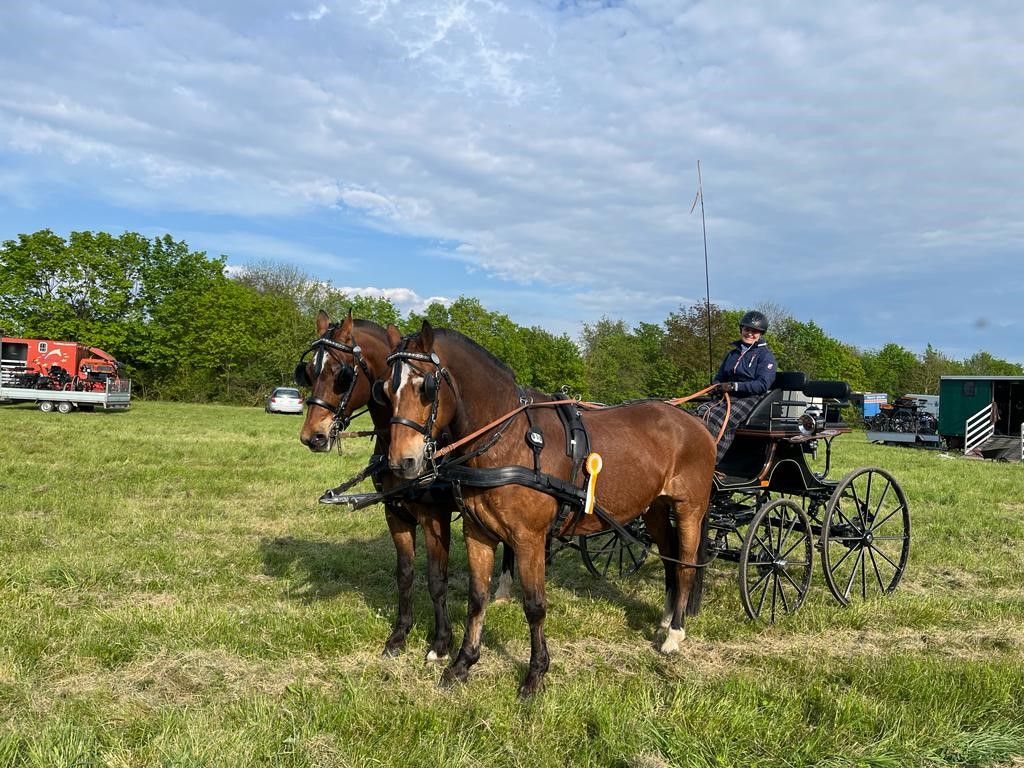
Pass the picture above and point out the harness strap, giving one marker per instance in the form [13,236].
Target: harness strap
[725,396]
[507,417]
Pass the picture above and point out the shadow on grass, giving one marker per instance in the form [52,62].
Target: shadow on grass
[320,570]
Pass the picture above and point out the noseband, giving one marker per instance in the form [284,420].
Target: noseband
[431,389]
[346,379]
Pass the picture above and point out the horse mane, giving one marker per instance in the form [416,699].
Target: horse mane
[366,325]
[457,336]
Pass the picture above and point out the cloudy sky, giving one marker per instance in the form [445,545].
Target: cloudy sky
[862,162]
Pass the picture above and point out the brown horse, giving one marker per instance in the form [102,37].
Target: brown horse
[657,460]
[348,358]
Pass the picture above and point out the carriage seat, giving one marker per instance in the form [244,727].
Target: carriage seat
[790,396]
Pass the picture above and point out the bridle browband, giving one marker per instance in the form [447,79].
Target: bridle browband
[346,379]
[431,389]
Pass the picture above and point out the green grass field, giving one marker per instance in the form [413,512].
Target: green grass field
[172,594]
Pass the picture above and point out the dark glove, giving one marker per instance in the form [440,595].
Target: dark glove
[726,386]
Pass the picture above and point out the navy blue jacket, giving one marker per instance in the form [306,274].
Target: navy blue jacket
[752,371]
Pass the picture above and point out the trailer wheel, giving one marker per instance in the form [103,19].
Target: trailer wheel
[64,407]
[45,406]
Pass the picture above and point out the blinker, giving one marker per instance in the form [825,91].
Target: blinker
[378,394]
[429,386]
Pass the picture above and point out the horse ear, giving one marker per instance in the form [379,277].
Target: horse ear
[427,336]
[394,336]
[346,328]
[322,321]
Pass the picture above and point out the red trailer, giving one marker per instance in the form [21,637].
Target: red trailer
[61,374]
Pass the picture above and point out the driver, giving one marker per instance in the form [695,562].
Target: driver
[747,371]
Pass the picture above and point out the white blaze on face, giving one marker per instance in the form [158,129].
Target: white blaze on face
[403,379]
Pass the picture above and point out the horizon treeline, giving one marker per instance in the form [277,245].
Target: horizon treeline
[187,330]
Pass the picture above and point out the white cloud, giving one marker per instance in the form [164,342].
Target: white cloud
[314,15]
[405,299]
[550,146]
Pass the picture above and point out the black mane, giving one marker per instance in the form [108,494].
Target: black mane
[463,337]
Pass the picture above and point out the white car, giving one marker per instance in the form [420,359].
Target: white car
[284,400]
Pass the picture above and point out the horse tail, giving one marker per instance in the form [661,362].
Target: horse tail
[697,586]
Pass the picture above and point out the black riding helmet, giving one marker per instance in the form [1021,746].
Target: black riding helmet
[754,319]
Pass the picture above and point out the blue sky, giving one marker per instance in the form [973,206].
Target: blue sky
[862,161]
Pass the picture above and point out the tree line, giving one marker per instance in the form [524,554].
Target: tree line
[186,329]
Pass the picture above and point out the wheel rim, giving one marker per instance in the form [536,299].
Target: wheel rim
[776,560]
[865,538]
[608,554]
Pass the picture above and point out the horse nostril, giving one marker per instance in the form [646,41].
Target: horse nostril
[318,441]
[408,465]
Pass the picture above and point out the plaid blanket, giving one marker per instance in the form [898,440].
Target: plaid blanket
[713,414]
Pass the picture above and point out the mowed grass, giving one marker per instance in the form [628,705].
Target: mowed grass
[172,594]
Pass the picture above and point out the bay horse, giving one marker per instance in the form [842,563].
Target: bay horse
[348,358]
[658,461]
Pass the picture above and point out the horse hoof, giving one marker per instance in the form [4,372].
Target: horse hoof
[530,688]
[672,641]
[504,591]
[433,657]
[391,651]
[449,678]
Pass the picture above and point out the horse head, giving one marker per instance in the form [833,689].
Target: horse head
[340,380]
[423,400]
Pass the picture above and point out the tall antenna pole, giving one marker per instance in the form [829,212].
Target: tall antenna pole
[707,277]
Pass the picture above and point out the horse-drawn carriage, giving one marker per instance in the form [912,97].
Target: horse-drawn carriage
[456,433]
[773,505]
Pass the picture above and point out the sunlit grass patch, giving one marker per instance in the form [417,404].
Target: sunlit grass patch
[174,595]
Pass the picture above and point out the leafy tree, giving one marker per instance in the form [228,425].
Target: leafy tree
[984,364]
[685,343]
[661,374]
[555,361]
[890,370]
[806,347]
[613,362]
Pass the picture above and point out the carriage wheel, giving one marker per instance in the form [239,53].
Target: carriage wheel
[606,553]
[775,560]
[865,537]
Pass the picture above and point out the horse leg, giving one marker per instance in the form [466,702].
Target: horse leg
[535,606]
[480,554]
[689,580]
[508,566]
[659,526]
[437,527]
[403,534]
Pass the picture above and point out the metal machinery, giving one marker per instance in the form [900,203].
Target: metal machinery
[60,375]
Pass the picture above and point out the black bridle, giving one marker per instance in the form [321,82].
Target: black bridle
[431,391]
[344,382]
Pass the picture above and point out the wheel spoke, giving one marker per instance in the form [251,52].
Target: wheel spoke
[874,567]
[790,580]
[853,572]
[882,554]
[879,523]
[839,562]
[881,501]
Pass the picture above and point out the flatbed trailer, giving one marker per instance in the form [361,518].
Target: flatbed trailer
[115,395]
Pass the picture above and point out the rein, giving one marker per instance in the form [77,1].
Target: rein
[590,406]
[706,390]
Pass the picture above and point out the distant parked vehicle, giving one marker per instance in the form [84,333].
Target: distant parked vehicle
[60,375]
[284,400]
